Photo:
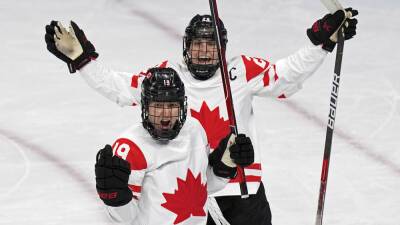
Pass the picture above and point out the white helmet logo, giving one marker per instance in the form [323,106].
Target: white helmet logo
[206,19]
[167,83]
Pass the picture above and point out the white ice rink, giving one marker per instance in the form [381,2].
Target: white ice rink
[52,124]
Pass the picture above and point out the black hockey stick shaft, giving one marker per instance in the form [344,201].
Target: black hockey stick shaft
[227,89]
[330,127]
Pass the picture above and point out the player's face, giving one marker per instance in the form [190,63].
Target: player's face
[204,51]
[163,115]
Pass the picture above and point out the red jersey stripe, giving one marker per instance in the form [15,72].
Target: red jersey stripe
[135,188]
[266,78]
[254,166]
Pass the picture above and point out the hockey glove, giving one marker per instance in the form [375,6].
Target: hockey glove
[231,151]
[112,175]
[324,31]
[70,46]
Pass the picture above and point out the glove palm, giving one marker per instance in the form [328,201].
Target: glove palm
[231,152]
[71,46]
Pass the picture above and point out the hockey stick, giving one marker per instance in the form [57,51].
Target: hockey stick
[332,6]
[227,90]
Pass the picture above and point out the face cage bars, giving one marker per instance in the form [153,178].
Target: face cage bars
[202,57]
[166,114]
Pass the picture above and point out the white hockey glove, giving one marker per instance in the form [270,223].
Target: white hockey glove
[231,151]
[71,46]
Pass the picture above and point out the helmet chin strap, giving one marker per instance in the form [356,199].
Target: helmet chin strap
[202,72]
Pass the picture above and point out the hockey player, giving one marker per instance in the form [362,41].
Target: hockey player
[158,172]
[250,76]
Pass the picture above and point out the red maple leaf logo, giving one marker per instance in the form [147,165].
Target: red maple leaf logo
[215,126]
[189,198]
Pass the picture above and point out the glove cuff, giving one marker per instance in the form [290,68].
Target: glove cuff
[225,171]
[115,198]
[329,45]
[81,61]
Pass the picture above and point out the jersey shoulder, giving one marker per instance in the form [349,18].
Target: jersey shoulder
[130,145]
[247,67]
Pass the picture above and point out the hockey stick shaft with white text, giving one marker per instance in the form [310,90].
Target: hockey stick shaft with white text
[332,6]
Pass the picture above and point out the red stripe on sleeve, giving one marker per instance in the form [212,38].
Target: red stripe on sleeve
[254,166]
[266,78]
[135,188]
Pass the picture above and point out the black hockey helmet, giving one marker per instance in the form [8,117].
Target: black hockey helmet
[163,85]
[201,27]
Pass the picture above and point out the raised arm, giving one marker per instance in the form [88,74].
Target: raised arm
[286,76]
[73,47]
[120,87]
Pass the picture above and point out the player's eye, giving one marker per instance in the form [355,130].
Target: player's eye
[158,105]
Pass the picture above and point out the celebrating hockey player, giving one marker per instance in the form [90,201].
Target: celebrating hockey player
[158,172]
[250,76]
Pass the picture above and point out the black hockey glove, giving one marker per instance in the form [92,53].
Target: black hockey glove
[112,175]
[231,151]
[324,31]
[71,46]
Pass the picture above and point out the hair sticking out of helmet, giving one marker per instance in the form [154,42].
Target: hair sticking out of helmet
[164,104]
[200,46]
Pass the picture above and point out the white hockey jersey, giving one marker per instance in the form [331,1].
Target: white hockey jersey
[169,181]
[249,77]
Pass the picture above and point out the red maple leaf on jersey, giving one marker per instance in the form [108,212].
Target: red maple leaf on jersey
[189,198]
[215,126]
